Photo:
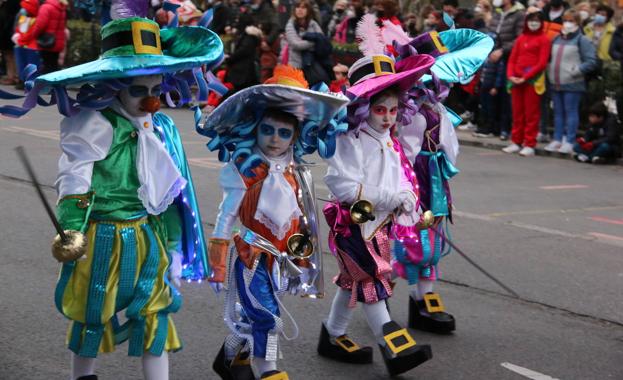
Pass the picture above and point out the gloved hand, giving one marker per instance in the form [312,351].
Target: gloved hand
[73,249]
[580,140]
[216,286]
[175,268]
[404,200]
[588,146]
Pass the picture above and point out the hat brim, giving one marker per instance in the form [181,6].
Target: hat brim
[410,70]
[468,49]
[248,105]
[137,65]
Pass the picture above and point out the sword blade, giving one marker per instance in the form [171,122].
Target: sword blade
[21,153]
[481,269]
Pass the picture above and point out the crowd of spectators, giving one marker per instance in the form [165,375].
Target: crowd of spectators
[552,61]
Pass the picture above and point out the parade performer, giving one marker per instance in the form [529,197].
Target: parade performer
[262,132]
[125,197]
[430,150]
[371,193]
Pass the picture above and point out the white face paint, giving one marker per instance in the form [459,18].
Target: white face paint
[383,113]
[142,87]
[274,137]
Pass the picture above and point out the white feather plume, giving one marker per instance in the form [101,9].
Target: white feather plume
[369,35]
[392,32]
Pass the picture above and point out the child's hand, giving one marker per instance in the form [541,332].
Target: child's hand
[493,91]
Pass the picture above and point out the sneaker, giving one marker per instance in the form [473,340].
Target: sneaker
[512,148]
[553,146]
[543,138]
[526,151]
[581,157]
[467,126]
[482,134]
[565,148]
[598,160]
[503,136]
[466,115]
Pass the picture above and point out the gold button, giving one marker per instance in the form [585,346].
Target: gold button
[389,144]
[133,134]
[146,124]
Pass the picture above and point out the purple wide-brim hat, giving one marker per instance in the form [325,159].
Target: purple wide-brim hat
[371,75]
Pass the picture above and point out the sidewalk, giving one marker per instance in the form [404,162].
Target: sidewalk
[494,143]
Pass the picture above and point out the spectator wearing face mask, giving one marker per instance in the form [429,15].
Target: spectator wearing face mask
[573,57]
[345,31]
[585,12]
[601,30]
[484,11]
[526,74]
[462,17]
[554,10]
[340,9]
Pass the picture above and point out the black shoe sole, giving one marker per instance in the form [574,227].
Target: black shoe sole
[330,351]
[405,362]
[424,323]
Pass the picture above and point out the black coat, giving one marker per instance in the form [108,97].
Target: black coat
[606,132]
[241,70]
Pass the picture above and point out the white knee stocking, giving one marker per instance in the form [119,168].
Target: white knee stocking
[262,365]
[425,286]
[81,366]
[377,315]
[340,314]
[156,367]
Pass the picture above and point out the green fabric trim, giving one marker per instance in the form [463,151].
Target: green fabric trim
[72,217]
[172,222]
[120,51]
[122,24]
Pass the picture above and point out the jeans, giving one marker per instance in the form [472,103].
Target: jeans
[603,150]
[566,114]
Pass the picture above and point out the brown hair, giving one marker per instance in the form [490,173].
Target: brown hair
[308,17]
[283,116]
[575,14]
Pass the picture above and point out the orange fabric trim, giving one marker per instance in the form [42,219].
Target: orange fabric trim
[217,256]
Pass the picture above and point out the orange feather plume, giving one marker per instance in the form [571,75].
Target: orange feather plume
[288,75]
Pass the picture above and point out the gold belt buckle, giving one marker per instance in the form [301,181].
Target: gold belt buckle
[403,338]
[433,303]
[347,344]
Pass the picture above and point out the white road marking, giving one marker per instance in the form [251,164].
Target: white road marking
[525,372]
[563,187]
[599,235]
[206,162]
[46,134]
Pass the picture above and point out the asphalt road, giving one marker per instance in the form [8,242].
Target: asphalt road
[550,229]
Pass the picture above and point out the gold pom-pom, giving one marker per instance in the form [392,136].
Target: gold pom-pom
[74,248]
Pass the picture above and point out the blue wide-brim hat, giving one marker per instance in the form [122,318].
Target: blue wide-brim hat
[459,53]
[136,46]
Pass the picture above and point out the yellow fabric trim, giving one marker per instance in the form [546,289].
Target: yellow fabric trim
[77,290]
[396,334]
[441,47]
[139,48]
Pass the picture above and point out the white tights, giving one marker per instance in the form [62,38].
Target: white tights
[154,367]
[421,288]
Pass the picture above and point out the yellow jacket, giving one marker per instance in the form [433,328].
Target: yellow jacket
[604,41]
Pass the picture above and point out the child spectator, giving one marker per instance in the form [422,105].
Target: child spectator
[25,54]
[526,76]
[601,143]
[340,84]
[492,83]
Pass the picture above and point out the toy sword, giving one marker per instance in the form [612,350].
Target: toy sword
[21,152]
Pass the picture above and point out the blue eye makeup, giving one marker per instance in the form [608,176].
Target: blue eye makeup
[142,91]
[269,130]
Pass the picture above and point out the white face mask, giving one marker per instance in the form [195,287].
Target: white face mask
[143,87]
[383,113]
[498,3]
[477,9]
[534,25]
[274,137]
[583,15]
[569,27]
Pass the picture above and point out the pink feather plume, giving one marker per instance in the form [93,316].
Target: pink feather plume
[369,36]
[392,32]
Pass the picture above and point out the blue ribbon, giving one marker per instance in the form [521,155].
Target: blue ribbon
[440,169]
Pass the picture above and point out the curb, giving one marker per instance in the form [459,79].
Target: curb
[494,143]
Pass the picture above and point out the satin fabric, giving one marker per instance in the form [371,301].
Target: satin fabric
[75,297]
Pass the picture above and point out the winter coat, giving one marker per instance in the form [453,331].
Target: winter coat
[616,46]
[557,20]
[296,44]
[266,15]
[52,19]
[603,42]
[8,11]
[241,70]
[606,132]
[493,75]
[508,26]
[26,19]
[530,54]
[573,56]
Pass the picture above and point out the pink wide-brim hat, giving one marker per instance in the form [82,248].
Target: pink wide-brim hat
[373,74]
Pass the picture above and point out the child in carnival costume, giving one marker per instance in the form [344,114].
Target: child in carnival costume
[371,193]
[262,132]
[430,151]
[125,195]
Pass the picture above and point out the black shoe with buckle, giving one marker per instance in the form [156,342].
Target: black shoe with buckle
[274,375]
[237,369]
[429,315]
[343,350]
[400,351]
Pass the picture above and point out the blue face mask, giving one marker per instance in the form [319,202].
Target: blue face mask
[599,19]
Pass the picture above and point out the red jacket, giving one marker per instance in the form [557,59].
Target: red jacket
[530,54]
[52,18]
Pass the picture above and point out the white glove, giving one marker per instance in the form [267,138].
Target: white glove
[175,269]
[216,286]
[404,200]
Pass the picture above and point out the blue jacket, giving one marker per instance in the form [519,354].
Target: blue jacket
[573,56]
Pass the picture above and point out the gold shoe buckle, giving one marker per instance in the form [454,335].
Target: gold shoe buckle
[347,344]
[278,376]
[433,303]
[403,338]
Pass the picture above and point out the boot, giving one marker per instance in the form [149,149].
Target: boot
[400,351]
[237,369]
[429,315]
[343,350]
[275,375]
[87,377]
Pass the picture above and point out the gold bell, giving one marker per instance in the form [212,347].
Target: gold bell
[300,246]
[426,221]
[361,211]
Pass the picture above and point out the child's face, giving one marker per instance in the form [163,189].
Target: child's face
[142,96]
[339,75]
[274,137]
[383,113]
[594,119]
